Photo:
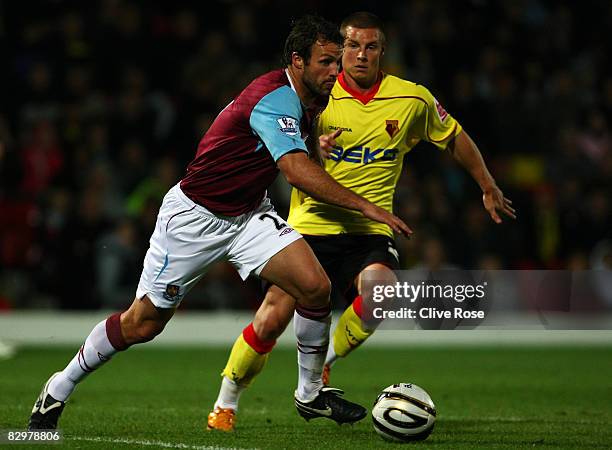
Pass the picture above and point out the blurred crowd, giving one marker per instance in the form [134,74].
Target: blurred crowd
[103,104]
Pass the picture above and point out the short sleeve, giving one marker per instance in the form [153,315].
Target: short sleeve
[436,125]
[276,120]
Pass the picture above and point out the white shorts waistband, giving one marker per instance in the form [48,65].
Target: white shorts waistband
[202,210]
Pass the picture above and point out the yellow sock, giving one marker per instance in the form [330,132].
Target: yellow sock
[350,332]
[248,357]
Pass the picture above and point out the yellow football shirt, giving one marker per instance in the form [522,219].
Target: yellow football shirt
[379,128]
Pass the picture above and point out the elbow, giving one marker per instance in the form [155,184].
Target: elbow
[295,181]
[289,167]
[291,178]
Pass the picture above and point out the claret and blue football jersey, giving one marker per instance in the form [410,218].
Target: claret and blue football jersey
[236,159]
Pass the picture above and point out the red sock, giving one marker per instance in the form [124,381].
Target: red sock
[255,342]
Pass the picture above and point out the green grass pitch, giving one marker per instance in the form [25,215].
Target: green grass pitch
[505,398]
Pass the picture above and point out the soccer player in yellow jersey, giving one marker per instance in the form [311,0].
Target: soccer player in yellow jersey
[372,120]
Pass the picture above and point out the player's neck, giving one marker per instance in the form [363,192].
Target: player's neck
[364,87]
[363,92]
[307,97]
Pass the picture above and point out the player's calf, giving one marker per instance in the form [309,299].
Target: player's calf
[102,343]
[140,323]
[350,332]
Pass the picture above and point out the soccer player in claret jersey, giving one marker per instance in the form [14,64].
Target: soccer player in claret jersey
[372,120]
[219,211]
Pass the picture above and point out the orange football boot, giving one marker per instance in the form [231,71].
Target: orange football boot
[325,374]
[222,419]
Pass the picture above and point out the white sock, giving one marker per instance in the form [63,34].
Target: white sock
[96,350]
[331,357]
[229,394]
[312,341]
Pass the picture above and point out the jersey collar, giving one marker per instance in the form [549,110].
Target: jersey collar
[364,97]
[290,80]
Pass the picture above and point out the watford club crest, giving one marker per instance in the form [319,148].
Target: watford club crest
[392,127]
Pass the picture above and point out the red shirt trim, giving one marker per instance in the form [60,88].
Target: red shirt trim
[364,97]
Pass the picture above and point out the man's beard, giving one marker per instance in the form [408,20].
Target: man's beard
[314,88]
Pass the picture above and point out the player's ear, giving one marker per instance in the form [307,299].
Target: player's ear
[297,60]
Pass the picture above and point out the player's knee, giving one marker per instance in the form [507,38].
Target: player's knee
[316,290]
[148,329]
[270,327]
[137,332]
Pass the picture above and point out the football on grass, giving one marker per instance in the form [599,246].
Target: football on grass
[404,412]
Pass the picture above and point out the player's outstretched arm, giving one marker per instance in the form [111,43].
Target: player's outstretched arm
[312,179]
[465,151]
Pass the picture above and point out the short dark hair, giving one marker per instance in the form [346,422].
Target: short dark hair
[305,32]
[363,19]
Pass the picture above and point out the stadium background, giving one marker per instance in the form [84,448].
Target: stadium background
[103,106]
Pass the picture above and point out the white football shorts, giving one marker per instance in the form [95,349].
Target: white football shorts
[188,239]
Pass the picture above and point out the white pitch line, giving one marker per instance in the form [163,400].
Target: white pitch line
[149,443]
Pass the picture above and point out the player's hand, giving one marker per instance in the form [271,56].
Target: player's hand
[494,202]
[371,211]
[327,142]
